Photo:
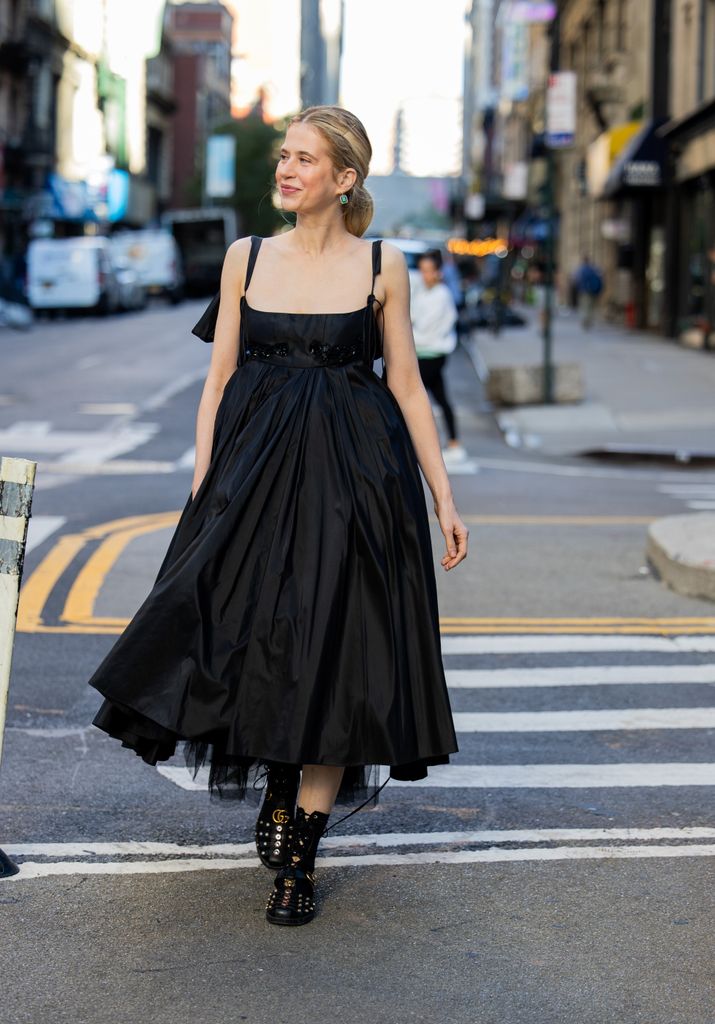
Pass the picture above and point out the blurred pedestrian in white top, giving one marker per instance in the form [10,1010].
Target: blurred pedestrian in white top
[434,318]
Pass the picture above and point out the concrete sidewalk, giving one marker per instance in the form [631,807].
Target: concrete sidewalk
[639,389]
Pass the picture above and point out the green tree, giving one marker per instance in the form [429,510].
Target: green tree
[257,147]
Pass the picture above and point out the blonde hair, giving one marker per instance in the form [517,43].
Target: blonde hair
[348,146]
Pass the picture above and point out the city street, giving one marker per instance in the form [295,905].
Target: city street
[560,869]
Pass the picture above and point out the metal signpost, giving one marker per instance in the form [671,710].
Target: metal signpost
[560,134]
[17,481]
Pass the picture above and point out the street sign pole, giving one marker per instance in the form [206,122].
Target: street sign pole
[560,128]
[547,330]
[17,482]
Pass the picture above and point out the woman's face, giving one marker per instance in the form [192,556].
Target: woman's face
[304,173]
[430,271]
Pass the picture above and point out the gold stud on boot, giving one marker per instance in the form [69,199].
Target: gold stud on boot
[292,901]
[276,815]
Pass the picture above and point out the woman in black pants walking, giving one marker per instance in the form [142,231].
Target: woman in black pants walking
[434,318]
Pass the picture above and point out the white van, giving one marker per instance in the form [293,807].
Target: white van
[154,255]
[71,273]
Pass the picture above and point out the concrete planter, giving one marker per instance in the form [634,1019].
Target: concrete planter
[682,550]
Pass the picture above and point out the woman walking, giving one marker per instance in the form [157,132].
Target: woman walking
[434,319]
[293,625]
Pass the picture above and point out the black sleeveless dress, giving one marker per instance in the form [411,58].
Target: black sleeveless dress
[294,617]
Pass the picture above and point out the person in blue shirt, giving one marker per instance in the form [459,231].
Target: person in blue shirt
[589,285]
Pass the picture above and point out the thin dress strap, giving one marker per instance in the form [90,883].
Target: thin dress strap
[376,261]
[376,333]
[255,246]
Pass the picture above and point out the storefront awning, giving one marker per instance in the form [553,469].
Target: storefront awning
[692,141]
[642,164]
[603,153]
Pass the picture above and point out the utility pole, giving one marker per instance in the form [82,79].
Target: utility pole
[551,217]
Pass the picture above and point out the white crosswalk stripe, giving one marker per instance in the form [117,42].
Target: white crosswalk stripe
[586,721]
[39,528]
[518,739]
[518,680]
[579,675]
[566,776]
[698,497]
[575,644]
[527,776]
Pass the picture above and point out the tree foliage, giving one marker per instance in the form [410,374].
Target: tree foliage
[257,147]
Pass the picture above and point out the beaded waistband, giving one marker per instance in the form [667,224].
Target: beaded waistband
[314,354]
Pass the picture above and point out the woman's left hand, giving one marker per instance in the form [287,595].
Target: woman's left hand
[455,533]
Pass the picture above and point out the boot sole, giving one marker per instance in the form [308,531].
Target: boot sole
[290,924]
[271,867]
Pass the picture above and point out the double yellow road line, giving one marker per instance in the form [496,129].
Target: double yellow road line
[77,615]
[79,564]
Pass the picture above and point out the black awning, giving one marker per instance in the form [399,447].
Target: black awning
[690,125]
[641,166]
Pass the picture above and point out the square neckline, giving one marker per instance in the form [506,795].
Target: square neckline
[282,312]
[253,255]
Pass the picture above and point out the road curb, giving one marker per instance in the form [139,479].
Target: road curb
[682,550]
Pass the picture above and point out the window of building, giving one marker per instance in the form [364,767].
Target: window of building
[601,28]
[708,57]
[621,25]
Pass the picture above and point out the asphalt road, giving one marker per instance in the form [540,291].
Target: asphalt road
[560,869]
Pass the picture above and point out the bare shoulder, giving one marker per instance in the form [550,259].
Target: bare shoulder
[395,274]
[392,254]
[235,261]
[239,250]
[394,264]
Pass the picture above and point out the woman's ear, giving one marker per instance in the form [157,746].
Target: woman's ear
[347,179]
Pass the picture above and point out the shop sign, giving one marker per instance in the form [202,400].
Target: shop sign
[561,110]
[615,229]
[642,173]
[220,166]
[532,13]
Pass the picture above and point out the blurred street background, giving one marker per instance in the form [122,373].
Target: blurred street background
[560,158]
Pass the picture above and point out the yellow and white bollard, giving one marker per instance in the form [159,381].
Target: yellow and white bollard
[17,482]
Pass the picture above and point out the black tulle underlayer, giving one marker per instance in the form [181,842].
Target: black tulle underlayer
[233,776]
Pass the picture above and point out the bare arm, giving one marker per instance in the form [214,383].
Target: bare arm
[405,382]
[224,354]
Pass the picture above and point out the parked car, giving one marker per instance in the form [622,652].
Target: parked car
[492,312]
[14,310]
[72,273]
[203,235]
[132,293]
[411,247]
[15,314]
[153,254]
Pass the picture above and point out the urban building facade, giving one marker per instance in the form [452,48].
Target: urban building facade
[613,180]
[200,37]
[32,65]
[690,136]
[635,188]
[104,109]
[321,44]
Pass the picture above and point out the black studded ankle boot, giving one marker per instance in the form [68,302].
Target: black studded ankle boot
[292,901]
[276,814]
